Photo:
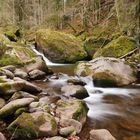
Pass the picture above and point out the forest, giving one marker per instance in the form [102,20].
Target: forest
[69,69]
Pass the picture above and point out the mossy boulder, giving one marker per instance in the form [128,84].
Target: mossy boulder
[72,109]
[33,125]
[107,71]
[12,106]
[7,73]
[76,91]
[117,48]
[16,54]
[9,87]
[60,47]
[92,44]
[21,56]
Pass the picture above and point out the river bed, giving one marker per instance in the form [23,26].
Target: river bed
[115,109]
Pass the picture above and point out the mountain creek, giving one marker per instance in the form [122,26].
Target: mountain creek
[114,109]
[67,99]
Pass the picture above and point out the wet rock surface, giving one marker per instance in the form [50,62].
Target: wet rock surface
[107,71]
[101,134]
[76,91]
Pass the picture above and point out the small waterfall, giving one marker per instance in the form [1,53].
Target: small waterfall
[48,62]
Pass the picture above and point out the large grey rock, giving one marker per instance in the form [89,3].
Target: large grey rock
[39,64]
[34,125]
[101,134]
[60,47]
[10,68]
[7,73]
[20,73]
[10,87]
[28,87]
[22,94]
[75,91]
[12,106]
[37,74]
[107,71]
[72,109]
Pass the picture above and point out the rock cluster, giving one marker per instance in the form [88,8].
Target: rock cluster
[32,116]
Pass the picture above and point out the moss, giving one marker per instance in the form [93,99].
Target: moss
[10,60]
[16,54]
[2,80]
[26,128]
[81,110]
[53,124]
[61,103]
[10,31]
[4,87]
[60,47]
[117,47]
[92,44]
[46,108]
[20,111]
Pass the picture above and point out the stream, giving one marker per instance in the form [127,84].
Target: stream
[115,109]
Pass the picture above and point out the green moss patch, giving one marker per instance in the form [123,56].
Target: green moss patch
[117,47]
[60,47]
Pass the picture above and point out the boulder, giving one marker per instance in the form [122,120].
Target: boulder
[10,87]
[117,47]
[37,74]
[34,125]
[17,54]
[76,91]
[12,106]
[38,63]
[10,68]
[72,109]
[22,94]
[101,134]
[60,47]
[28,87]
[20,55]
[20,73]
[4,72]
[107,71]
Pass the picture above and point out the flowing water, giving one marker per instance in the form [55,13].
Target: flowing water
[115,109]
